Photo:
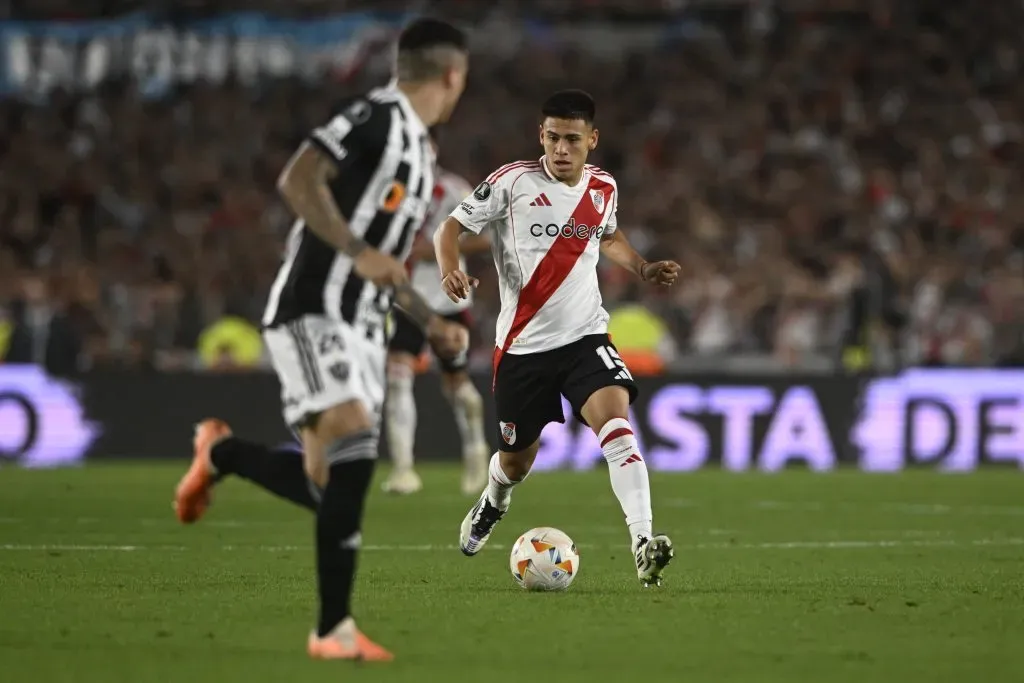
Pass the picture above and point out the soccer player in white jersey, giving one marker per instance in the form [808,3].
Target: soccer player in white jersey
[408,342]
[550,221]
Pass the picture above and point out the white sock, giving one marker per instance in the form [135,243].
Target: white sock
[468,407]
[628,473]
[499,484]
[400,413]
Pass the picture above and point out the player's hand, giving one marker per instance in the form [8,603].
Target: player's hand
[661,272]
[457,285]
[447,339]
[380,269]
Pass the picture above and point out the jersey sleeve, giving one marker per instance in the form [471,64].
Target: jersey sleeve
[485,204]
[613,214]
[358,132]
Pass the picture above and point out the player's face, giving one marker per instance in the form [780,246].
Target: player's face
[567,142]
[455,83]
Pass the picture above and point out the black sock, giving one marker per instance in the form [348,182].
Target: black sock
[338,525]
[278,470]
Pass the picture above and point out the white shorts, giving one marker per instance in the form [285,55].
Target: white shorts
[322,363]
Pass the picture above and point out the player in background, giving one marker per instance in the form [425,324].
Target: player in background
[360,187]
[550,222]
[408,343]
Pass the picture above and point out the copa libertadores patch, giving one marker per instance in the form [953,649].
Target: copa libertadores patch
[482,191]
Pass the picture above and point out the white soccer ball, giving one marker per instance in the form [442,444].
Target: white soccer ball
[544,559]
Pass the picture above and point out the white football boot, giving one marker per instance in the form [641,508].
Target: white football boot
[403,482]
[652,556]
[478,525]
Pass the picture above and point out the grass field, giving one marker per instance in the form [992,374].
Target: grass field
[787,578]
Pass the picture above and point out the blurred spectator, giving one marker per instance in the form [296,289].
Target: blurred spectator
[42,334]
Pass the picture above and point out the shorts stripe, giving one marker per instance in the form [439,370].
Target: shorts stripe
[304,348]
[359,446]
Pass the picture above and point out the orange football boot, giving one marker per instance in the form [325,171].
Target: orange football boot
[192,496]
[347,642]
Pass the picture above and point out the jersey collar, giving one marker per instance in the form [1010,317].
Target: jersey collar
[405,104]
[547,172]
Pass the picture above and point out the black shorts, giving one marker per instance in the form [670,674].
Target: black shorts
[528,388]
[409,338]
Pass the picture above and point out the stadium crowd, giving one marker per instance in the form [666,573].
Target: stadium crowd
[830,181]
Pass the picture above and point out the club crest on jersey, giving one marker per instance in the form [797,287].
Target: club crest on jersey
[508,432]
[598,198]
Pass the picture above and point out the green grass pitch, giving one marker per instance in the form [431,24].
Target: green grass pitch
[777,579]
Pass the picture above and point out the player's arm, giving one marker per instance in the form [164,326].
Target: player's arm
[455,283]
[617,248]
[447,339]
[474,213]
[358,133]
[305,187]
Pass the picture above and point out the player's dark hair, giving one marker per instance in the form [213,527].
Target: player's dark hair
[435,134]
[427,48]
[570,104]
[425,33]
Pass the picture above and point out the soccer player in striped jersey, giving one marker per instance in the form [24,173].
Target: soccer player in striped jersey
[550,221]
[360,186]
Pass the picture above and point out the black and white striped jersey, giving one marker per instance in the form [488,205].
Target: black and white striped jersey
[383,189]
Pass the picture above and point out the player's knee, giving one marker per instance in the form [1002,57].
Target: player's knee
[314,465]
[341,420]
[604,405]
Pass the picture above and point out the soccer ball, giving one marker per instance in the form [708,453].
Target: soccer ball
[544,559]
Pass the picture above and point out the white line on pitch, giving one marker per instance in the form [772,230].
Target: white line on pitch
[897,507]
[768,545]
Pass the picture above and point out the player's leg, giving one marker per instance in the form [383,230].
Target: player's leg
[600,389]
[336,409]
[526,399]
[279,470]
[217,454]
[468,409]
[505,471]
[332,386]
[400,408]
[340,449]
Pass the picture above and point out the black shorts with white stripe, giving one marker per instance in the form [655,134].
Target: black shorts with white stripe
[528,388]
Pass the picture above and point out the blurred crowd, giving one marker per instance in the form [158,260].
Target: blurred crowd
[466,10]
[843,184]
